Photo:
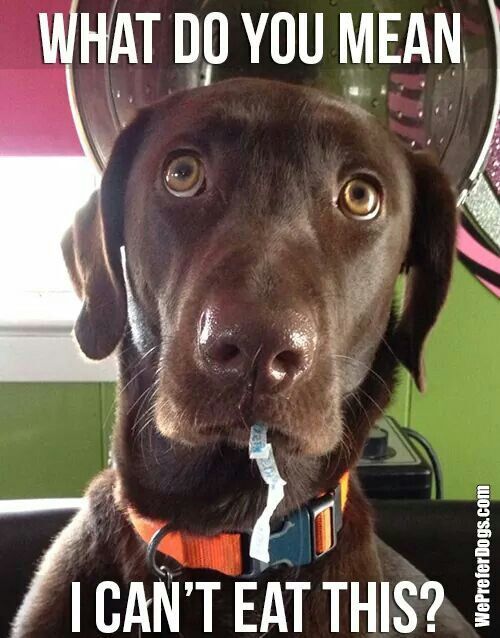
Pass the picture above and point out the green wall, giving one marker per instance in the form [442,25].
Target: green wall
[460,411]
[50,438]
[54,437]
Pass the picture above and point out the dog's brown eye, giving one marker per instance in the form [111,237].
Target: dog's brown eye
[360,199]
[185,176]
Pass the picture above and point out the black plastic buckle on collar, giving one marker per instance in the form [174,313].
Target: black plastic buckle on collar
[294,543]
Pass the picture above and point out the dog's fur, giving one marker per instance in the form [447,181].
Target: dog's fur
[265,236]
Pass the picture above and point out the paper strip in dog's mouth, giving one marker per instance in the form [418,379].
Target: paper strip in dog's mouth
[262,452]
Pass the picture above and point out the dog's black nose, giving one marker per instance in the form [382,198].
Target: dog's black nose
[274,350]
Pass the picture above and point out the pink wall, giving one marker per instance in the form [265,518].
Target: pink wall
[35,117]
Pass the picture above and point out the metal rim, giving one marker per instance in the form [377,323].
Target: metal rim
[483,154]
[83,136]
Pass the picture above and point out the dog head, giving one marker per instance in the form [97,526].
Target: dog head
[264,226]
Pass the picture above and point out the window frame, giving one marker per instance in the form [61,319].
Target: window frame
[36,340]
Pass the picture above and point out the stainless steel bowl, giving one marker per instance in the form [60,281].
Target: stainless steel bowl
[450,108]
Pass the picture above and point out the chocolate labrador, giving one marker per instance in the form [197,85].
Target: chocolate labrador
[263,228]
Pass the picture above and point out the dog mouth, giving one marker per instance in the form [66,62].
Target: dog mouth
[238,436]
[294,431]
[231,425]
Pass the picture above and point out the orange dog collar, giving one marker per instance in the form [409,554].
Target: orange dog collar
[304,536]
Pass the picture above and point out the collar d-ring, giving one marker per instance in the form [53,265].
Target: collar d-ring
[164,572]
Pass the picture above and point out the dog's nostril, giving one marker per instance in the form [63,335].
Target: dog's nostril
[287,361]
[282,367]
[225,352]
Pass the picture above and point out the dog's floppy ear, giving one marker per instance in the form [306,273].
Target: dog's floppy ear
[428,263]
[91,250]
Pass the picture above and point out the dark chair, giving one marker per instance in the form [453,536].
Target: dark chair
[438,537]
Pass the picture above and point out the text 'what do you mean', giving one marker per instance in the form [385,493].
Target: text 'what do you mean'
[433,39]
